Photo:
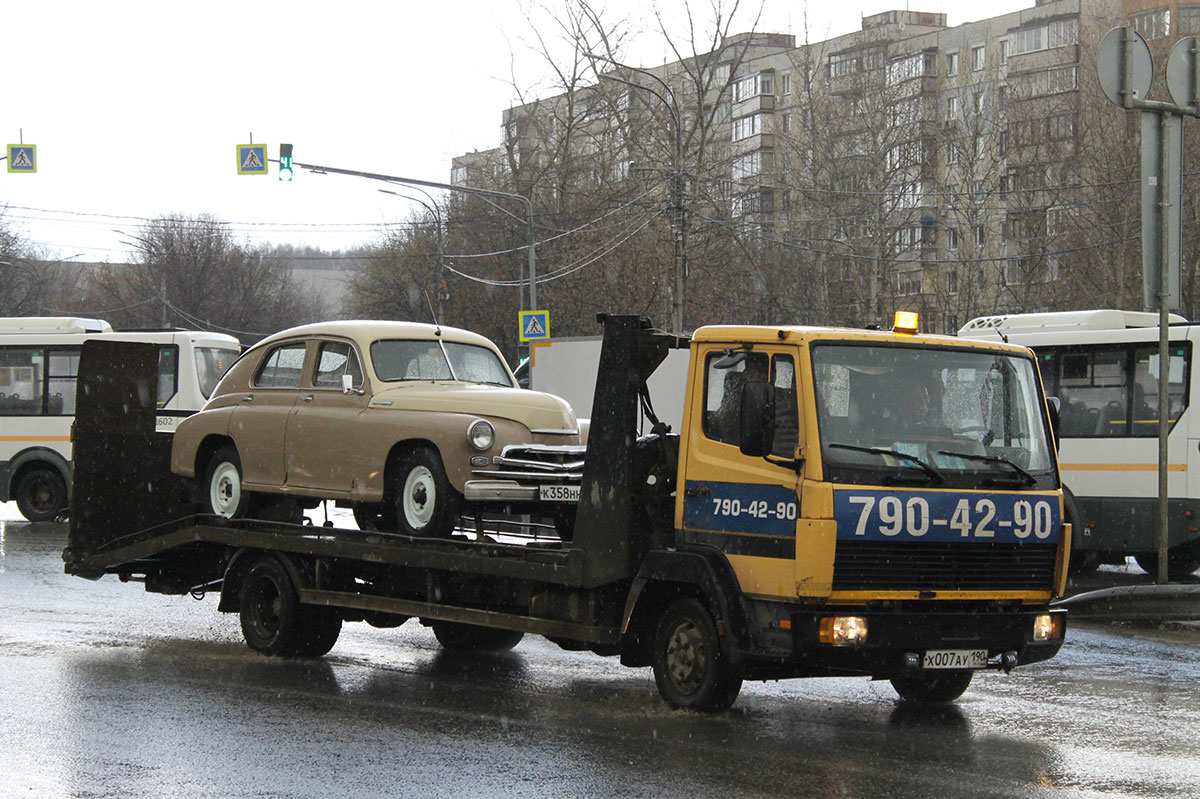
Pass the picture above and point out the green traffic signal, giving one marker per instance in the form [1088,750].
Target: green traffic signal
[285,162]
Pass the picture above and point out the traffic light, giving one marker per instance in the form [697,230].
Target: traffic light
[285,162]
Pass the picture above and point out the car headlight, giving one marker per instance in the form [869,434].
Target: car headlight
[481,435]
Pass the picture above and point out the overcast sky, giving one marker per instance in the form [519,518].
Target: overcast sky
[137,108]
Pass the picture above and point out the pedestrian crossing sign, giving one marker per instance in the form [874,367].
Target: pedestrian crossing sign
[535,325]
[252,159]
[22,158]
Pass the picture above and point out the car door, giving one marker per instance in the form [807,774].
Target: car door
[745,505]
[259,423]
[325,450]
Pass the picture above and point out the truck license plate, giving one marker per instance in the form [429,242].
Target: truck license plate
[955,659]
[558,493]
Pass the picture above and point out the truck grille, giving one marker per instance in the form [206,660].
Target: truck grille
[908,566]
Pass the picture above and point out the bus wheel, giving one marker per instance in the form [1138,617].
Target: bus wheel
[472,638]
[944,687]
[422,499]
[1181,563]
[690,669]
[40,494]
[222,489]
[273,620]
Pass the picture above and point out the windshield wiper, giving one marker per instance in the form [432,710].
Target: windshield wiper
[1029,479]
[925,467]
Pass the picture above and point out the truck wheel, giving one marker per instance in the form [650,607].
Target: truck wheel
[40,494]
[472,638]
[222,488]
[944,687]
[422,499]
[690,669]
[273,620]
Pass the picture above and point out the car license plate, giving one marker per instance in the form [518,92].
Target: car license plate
[955,659]
[558,493]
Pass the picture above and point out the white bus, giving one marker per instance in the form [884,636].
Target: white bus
[39,362]
[1103,366]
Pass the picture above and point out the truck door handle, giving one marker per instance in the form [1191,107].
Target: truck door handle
[699,491]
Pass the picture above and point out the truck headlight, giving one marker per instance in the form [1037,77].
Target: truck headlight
[481,435]
[1047,627]
[842,630]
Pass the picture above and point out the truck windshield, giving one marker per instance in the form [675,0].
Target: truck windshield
[930,415]
[398,359]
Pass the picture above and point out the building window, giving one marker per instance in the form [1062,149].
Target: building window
[749,165]
[978,57]
[951,108]
[980,235]
[752,86]
[785,86]
[745,127]
[842,65]
[951,153]
[1003,51]
[1154,24]
[952,281]
[1189,20]
[951,64]
[908,282]
[952,240]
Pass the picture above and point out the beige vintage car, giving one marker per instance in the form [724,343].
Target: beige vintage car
[392,418]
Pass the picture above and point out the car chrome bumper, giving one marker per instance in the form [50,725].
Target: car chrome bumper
[498,491]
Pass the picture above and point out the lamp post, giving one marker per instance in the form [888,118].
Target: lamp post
[532,261]
[671,103]
[440,238]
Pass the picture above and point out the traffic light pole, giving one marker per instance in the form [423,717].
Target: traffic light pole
[532,261]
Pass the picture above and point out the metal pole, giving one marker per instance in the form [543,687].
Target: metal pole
[1164,302]
[528,203]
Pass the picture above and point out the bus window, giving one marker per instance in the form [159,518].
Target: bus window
[20,381]
[1092,389]
[211,365]
[1145,388]
[168,373]
[62,369]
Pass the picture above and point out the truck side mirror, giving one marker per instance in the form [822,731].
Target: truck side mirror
[1053,406]
[757,419]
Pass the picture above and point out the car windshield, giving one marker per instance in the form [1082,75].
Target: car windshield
[211,365]
[400,359]
[930,415]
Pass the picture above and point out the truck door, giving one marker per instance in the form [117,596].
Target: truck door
[745,506]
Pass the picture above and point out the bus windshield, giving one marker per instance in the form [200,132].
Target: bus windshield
[930,415]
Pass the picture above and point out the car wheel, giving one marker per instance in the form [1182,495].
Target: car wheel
[222,488]
[422,500]
[691,671]
[40,494]
[924,688]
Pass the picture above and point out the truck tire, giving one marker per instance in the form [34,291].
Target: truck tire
[691,671]
[929,688]
[221,492]
[460,637]
[273,620]
[422,500]
[40,494]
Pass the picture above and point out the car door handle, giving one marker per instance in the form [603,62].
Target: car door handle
[307,398]
[248,398]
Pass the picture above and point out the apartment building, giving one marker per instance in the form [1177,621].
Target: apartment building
[911,164]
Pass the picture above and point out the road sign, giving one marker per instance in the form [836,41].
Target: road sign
[252,159]
[1162,155]
[535,325]
[1124,66]
[1183,72]
[22,158]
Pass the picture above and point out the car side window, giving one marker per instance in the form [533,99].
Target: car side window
[334,359]
[282,367]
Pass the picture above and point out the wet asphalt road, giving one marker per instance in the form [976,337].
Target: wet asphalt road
[107,691]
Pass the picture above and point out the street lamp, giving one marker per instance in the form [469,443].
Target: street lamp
[440,238]
[671,103]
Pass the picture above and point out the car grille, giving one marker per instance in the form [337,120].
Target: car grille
[537,462]
[907,566]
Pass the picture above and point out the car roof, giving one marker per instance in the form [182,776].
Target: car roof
[365,331]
